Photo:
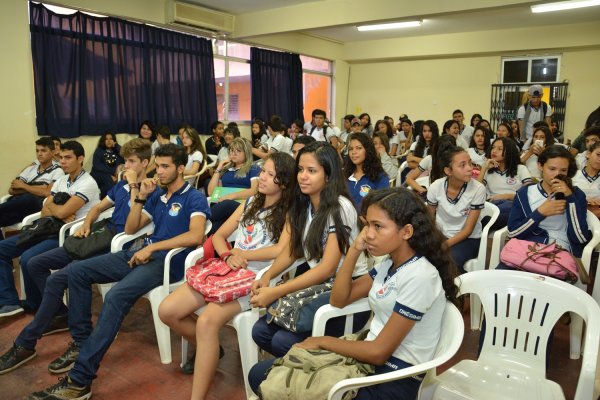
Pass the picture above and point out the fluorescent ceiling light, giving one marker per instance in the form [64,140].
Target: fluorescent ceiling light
[564,5]
[393,25]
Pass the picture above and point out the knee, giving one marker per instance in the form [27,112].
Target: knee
[207,325]
[167,312]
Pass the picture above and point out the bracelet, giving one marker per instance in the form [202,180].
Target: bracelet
[218,171]
[226,255]
[134,185]
[140,201]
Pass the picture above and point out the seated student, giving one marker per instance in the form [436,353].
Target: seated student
[32,186]
[179,214]
[515,134]
[322,222]
[214,143]
[162,136]
[320,131]
[382,147]
[260,238]
[362,168]
[591,136]
[106,162]
[195,151]
[456,202]
[428,135]
[553,210]
[83,195]
[406,127]
[299,143]
[347,125]
[542,138]
[479,146]
[277,141]
[451,127]
[259,133]
[51,317]
[503,174]
[503,130]
[465,131]
[587,180]
[367,126]
[228,137]
[57,143]
[417,273]
[386,128]
[431,165]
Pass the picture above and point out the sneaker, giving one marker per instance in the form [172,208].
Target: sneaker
[66,361]
[11,309]
[59,323]
[188,367]
[65,389]
[14,358]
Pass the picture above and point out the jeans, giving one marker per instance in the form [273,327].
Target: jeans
[18,207]
[505,206]
[8,290]
[53,286]
[132,283]
[464,251]
[220,212]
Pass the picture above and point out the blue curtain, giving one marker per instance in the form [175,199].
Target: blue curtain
[94,74]
[276,80]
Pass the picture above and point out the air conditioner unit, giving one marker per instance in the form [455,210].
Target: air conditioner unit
[200,17]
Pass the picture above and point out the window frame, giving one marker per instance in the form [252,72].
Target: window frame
[530,60]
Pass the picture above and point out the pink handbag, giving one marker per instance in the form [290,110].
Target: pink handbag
[218,282]
[544,259]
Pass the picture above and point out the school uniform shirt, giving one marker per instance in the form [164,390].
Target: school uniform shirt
[590,185]
[414,291]
[451,214]
[581,160]
[532,167]
[223,154]
[281,144]
[84,187]
[171,217]
[195,157]
[498,182]
[460,142]
[360,188]
[414,146]
[229,178]
[120,197]
[467,133]
[477,156]
[318,134]
[426,164]
[32,174]
[349,219]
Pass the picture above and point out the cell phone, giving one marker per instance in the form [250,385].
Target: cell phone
[559,196]
[539,143]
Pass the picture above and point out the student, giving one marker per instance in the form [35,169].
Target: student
[214,143]
[456,202]
[382,147]
[464,131]
[84,194]
[162,136]
[296,129]
[347,124]
[195,151]
[451,127]
[259,133]
[479,146]
[260,238]
[539,215]
[322,222]
[386,128]
[320,131]
[179,214]
[475,120]
[591,136]
[420,148]
[587,180]
[228,137]
[277,142]
[503,130]
[532,111]
[299,143]
[362,168]
[417,273]
[146,131]
[51,317]
[431,165]
[106,162]
[365,121]
[503,174]
[407,129]
[32,186]
[542,138]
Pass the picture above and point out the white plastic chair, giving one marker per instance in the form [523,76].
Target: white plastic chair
[401,169]
[576,325]
[478,264]
[13,227]
[159,293]
[521,310]
[242,323]
[452,332]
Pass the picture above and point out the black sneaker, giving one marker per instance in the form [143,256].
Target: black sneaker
[188,367]
[66,361]
[14,358]
[65,389]
[59,323]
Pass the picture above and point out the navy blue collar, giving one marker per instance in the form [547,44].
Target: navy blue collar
[392,270]
[588,177]
[460,193]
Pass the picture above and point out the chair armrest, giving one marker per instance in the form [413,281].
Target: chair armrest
[66,228]
[586,257]
[167,269]
[28,220]
[122,238]
[5,198]
[193,256]
[275,279]
[326,312]
[78,223]
[497,244]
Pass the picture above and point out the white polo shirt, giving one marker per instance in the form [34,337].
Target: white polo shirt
[498,182]
[84,187]
[477,156]
[590,185]
[47,176]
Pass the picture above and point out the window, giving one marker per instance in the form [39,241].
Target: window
[316,81]
[530,69]
[232,80]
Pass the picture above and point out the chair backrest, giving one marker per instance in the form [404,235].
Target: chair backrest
[451,333]
[403,166]
[521,309]
[492,211]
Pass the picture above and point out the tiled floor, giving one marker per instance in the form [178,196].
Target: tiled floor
[132,370]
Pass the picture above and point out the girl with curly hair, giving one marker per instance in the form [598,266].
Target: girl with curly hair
[260,237]
[363,168]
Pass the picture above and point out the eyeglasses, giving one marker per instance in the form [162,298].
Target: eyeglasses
[235,151]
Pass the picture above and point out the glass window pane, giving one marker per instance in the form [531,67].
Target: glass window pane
[315,64]
[544,70]
[239,91]
[218,46]
[515,71]
[238,50]
[220,86]
[317,94]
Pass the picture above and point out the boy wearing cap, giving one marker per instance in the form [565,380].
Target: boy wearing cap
[533,111]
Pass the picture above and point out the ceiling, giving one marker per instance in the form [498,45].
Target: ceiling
[506,15]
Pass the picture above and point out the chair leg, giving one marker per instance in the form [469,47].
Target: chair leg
[184,351]
[163,333]
[23,295]
[103,288]
[475,309]
[243,323]
[576,333]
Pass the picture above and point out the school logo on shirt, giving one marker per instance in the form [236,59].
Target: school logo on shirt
[511,180]
[364,190]
[174,211]
[386,290]
[465,211]
[248,234]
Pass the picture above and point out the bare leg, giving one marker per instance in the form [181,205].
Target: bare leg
[178,308]
[207,342]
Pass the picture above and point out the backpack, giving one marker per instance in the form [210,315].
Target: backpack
[544,106]
[324,131]
[310,374]
[528,112]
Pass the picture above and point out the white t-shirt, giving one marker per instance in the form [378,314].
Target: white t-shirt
[414,146]
[467,133]
[84,187]
[581,159]
[451,214]
[532,166]
[414,290]
[318,134]
[195,157]
[281,144]
[590,185]
[426,164]
[500,183]
[47,176]
[349,219]
[460,142]
[535,115]
[223,154]
[477,156]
